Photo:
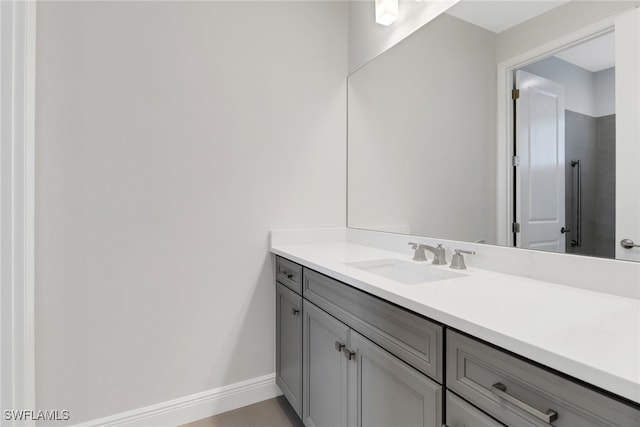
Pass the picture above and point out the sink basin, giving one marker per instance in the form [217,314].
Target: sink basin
[406,272]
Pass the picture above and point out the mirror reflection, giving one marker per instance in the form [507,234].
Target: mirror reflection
[436,149]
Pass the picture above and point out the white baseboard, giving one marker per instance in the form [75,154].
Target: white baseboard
[196,406]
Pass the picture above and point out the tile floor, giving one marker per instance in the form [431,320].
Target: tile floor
[270,413]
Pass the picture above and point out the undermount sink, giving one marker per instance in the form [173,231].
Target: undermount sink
[406,272]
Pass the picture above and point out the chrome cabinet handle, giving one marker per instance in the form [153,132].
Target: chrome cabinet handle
[501,390]
[348,353]
[295,311]
[286,273]
[628,244]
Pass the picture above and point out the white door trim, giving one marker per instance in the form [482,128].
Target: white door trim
[505,116]
[17,213]
[627,134]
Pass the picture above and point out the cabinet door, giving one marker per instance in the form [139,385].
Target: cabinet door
[324,369]
[463,414]
[289,345]
[388,392]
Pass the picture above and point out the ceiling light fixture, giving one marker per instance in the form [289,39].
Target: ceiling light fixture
[386,11]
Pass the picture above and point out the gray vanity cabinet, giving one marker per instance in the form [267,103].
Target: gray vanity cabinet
[462,414]
[388,392]
[406,335]
[289,345]
[325,369]
[520,394]
[350,381]
[289,274]
[348,359]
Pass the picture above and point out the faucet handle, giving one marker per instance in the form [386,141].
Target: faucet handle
[457,260]
[460,251]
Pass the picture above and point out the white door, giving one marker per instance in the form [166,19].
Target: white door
[540,173]
[627,33]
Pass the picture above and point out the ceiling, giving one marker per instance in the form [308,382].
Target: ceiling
[500,15]
[595,55]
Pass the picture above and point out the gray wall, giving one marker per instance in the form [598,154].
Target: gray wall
[606,187]
[592,141]
[170,138]
[586,92]
[422,135]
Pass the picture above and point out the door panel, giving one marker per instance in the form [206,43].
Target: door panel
[390,392]
[325,369]
[540,191]
[463,414]
[289,345]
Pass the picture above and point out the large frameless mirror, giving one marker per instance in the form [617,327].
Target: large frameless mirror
[498,122]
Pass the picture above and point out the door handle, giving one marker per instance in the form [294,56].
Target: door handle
[564,230]
[628,244]
[339,346]
[295,311]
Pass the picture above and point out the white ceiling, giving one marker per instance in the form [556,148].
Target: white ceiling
[499,15]
[595,55]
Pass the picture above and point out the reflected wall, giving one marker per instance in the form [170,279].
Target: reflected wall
[422,123]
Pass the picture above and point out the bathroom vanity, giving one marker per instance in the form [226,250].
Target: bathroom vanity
[357,348]
[369,335]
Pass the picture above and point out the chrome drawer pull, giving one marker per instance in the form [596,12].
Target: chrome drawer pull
[501,390]
[286,273]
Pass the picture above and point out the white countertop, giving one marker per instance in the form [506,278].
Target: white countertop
[589,335]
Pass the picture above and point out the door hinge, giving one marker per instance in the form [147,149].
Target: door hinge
[515,94]
[515,161]
[515,227]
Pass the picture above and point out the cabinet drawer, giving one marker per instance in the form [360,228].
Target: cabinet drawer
[289,274]
[463,414]
[518,393]
[412,338]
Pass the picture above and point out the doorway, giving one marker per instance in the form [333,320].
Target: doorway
[564,151]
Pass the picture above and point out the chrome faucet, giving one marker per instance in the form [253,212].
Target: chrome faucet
[418,255]
[439,254]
